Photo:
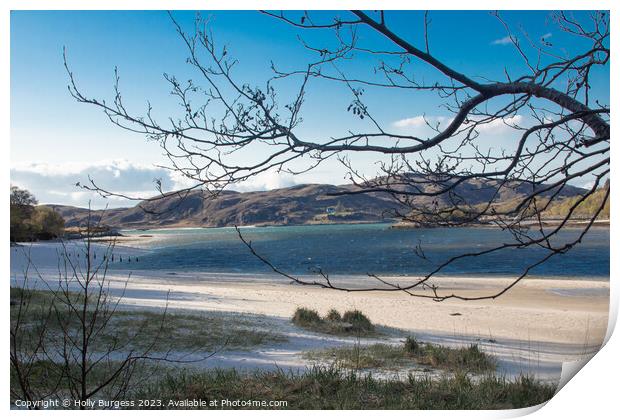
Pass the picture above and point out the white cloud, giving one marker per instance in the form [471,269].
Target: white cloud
[587,184]
[503,41]
[494,126]
[546,36]
[268,180]
[180,181]
[417,121]
[56,183]
[76,168]
[500,125]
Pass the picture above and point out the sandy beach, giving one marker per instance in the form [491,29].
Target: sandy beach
[540,321]
[535,310]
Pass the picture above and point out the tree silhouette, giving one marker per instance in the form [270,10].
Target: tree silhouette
[563,128]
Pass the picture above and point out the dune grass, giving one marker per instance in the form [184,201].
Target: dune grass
[361,357]
[384,356]
[469,358]
[337,388]
[351,322]
[327,388]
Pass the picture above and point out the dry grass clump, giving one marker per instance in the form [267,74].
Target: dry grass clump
[352,322]
[468,359]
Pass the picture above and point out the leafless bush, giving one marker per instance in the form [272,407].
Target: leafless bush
[64,339]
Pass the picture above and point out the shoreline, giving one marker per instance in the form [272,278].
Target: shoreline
[540,323]
[570,224]
[392,223]
[531,311]
[47,257]
[529,331]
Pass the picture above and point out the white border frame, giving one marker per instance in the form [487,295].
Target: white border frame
[592,394]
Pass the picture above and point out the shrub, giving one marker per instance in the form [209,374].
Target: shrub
[474,357]
[46,223]
[469,359]
[306,317]
[334,316]
[411,345]
[351,323]
[358,320]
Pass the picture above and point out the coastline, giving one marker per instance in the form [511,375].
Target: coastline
[572,223]
[540,323]
[547,309]
[393,223]
[532,311]
[139,236]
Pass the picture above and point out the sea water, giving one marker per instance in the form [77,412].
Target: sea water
[369,248]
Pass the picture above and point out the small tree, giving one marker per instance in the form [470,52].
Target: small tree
[29,221]
[47,224]
[22,198]
[22,207]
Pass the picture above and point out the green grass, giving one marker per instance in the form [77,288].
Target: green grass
[350,323]
[333,316]
[45,377]
[466,359]
[469,358]
[337,388]
[322,388]
[362,357]
[305,317]
[183,331]
[358,320]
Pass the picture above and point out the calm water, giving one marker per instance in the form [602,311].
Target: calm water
[361,249]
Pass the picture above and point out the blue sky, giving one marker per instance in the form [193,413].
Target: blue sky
[56,141]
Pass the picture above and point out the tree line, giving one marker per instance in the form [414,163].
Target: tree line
[31,222]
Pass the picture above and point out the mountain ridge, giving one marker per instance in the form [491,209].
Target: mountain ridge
[296,205]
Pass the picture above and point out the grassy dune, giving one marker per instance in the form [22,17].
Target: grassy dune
[337,388]
[466,359]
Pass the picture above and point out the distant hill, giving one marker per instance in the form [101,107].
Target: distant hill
[298,205]
[585,210]
[302,204]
